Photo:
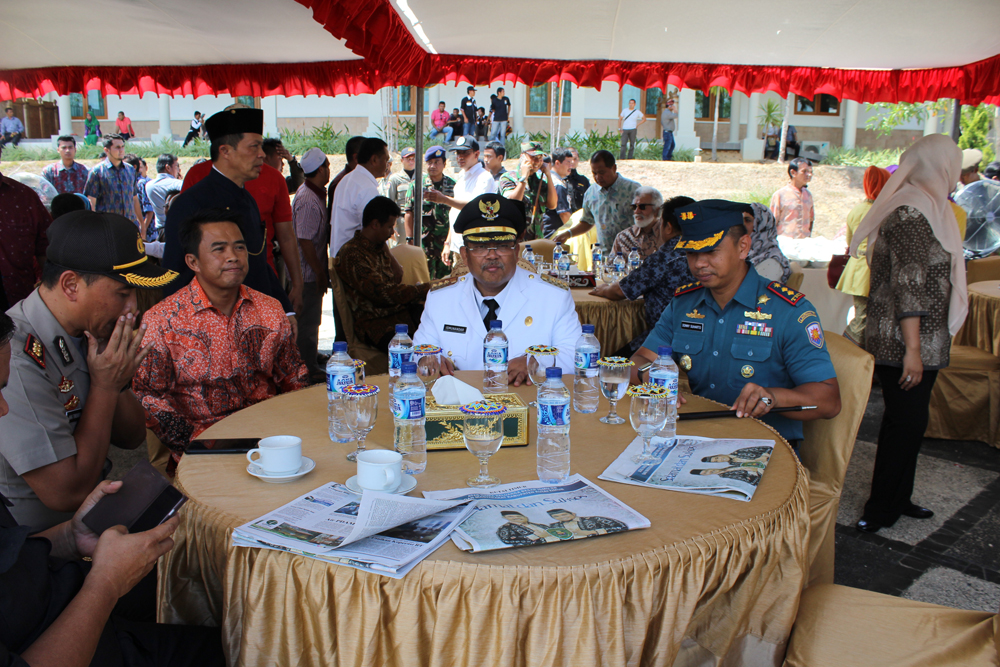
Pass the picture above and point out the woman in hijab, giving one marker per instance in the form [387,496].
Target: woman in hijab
[854,279]
[765,255]
[917,301]
[91,129]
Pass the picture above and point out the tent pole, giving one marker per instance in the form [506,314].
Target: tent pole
[418,181]
[784,128]
[559,117]
[956,121]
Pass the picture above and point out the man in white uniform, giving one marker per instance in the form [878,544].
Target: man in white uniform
[534,309]
[472,182]
[354,192]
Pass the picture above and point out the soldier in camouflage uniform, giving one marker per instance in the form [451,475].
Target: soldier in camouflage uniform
[435,222]
[395,186]
[537,192]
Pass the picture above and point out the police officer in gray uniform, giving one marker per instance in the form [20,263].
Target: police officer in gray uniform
[73,355]
[743,340]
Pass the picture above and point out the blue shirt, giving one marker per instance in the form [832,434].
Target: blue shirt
[11,125]
[113,188]
[767,334]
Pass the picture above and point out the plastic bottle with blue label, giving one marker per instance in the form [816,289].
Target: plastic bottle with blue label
[495,359]
[339,374]
[634,260]
[528,255]
[552,455]
[563,265]
[586,390]
[400,351]
[664,373]
[619,264]
[557,253]
[597,256]
[409,409]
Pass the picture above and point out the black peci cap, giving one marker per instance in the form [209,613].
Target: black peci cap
[491,217]
[104,243]
[235,121]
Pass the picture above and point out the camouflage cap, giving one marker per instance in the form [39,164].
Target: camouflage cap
[532,148]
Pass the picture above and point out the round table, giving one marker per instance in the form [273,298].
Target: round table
[982,324]
[710,577]
[616,323]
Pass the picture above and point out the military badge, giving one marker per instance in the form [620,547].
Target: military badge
[685,362]
[63,350]
[66,385]
[786,294]
[695,315]
[762,300]
[35,350]
[489,209]
[528,321]
[756,315]
[684,289]
[747,371]
[72,404]
[806,315]
[815,333]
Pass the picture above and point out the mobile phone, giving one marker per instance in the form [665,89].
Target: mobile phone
[222,445]
[144,501]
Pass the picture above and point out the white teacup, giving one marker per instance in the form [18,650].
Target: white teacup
[380,470]
[279,454]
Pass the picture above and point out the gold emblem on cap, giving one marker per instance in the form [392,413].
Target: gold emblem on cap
[698,245]
[695,315]
[687,215]
[140,245]
[685,362]
[490,209]
[528,321]
[747,371]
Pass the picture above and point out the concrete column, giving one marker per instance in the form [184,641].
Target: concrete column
[65,115]
[577,115]
[164,131]
[269,105]
[931,124]
[850,124]
[518,94]
[685,136]
[753,145]
[734,117]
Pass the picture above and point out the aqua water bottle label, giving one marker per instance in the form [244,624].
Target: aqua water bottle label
[494,356]
[398,356]
[408,408]
[587,359]
[336,383]
[550,414]
[672,388]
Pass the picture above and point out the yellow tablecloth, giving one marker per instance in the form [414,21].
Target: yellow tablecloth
[711,577]
[615,322]
[982,325]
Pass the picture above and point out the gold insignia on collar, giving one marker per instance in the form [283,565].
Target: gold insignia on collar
[756,315]
[35,350]
[762,300]
[528,321]
[685,362]
[72,404]
[66,385]
[695,315]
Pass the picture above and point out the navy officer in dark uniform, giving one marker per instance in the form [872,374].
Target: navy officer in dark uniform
[743,340]
[237,157]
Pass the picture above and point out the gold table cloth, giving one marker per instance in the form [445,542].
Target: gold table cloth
[711,577]
[982,324]
[616,323]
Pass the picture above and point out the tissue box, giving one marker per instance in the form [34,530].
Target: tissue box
[444,423]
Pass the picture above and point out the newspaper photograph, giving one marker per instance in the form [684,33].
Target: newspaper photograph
[725,468]
[528,513]
[377,532]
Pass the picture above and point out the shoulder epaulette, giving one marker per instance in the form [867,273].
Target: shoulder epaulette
[35,350]
[444,282]
[786,293]
[554,281]
[525,264]
[684,289]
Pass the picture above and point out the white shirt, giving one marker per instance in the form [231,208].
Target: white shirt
[470,184]
[349,199]
[630,122]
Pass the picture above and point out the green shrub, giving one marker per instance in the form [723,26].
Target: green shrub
[861,157]
[751,196]
[683,155]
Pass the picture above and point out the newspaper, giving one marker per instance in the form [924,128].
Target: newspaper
[724,468]
[376,532]
[527,513]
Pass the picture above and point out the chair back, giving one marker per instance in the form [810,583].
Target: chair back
[826,451]
[542,247]
[795,280]
[376,363]
[979,270]
[414,263]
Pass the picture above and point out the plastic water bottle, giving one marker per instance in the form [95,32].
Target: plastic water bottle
[597,256]
[339,374]
[400,351]
[563,266]
[557,253]
[495,359]
[619,264]
[634,260]
[553,429]
[528,255]
[586,392]
[664,373]
[408,405]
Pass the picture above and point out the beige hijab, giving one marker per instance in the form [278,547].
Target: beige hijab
[927,173]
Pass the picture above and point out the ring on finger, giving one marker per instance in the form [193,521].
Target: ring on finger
[765,400]
[909,378]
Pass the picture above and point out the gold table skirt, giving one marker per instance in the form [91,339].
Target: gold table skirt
[982,324]
[616,323]
[710,578]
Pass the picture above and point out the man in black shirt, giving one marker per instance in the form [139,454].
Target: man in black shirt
[577,184]
[499,115]
[469,108]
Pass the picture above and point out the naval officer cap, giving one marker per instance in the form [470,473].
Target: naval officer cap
[704,223]
[235,121]
[491,217]
[104,243]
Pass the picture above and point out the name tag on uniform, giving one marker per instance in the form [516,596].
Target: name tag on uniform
[692,326]
[74,415]
[454,328]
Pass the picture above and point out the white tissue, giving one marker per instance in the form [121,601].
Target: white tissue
[449,390]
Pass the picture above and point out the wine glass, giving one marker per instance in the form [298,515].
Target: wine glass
[428,360]
[360,411]
[359,371]
[482,430]
[540,357]
[615,372]
[648,414]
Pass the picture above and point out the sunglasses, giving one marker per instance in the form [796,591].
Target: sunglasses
[641,207]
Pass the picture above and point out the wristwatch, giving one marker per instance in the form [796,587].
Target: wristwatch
[409,239]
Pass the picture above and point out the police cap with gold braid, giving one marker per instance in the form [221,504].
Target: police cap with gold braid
[705,223]
[490,218]
[106,244]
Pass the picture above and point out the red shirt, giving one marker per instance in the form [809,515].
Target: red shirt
[270,192]
[23,221]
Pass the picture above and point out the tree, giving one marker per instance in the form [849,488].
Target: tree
[976,125]
[770,116]
[890,116]
[783,137]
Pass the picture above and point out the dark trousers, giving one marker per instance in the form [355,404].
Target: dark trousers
[628,138]
[899,439]
[309,320]
[668,145]
[191,136]
[11,137]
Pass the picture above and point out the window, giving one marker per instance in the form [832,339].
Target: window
[821,105]
[249,100]
[405,97]
[647,101]
[80,106]
[704,106]
[538,99]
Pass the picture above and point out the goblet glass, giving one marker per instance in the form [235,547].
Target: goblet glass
[482,430]
[614,373]
[360,412]
[648,414]
[359,371]
[540,357]
[428,360]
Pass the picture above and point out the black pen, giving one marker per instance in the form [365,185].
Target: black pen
[712,414]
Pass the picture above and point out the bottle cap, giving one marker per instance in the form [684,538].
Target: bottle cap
[496,324]
[403,329]
[408,367]
[664,350]
[554,372]
[528,247]
[339,346]
[588,328]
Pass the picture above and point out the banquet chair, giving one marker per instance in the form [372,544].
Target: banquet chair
[158,453]
[542,247]
[414,263]
[826,450]
[979,270]
[795,280]
[376,363]
[838,625]
[965,401]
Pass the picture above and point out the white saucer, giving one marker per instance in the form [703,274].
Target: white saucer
[408,484]
[307,467]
